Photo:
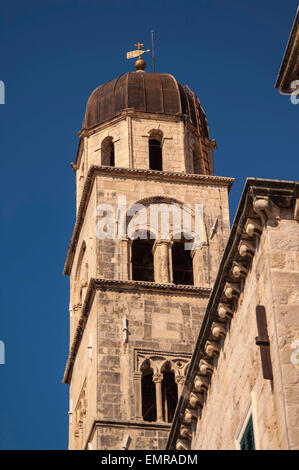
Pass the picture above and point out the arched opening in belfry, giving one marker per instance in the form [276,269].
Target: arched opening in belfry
[155,151]
[182,265]
[107,152]
[169,394]
[142,258]
[148,391]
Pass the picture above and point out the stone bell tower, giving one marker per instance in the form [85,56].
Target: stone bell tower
[136,304]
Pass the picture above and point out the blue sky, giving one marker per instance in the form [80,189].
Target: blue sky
[53,54]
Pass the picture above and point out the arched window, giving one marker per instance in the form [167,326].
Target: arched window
[142,259]
[182,266]
[107,152]
[169,394]
[155,151]
[148,390]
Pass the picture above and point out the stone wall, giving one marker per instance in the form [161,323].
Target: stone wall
[237,387]
[160,325]
[114,255]
[130,134]
[104,370]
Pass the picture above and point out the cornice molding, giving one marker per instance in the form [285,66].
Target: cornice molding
[134,174]
[261,200]
[289,67]
[153,286]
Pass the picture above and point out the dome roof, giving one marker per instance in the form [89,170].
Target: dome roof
[146,92]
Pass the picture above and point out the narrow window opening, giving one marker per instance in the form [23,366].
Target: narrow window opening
[155,154]
[148,391]
[111,155]
[182,264]
[169,395]
[143,260]
[108,158]
[247,442]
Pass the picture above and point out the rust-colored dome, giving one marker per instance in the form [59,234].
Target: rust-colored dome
[147,92]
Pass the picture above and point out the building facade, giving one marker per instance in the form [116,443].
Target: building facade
[288,77]
[138,288]
[242,386]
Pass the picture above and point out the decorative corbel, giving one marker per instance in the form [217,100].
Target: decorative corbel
[185,432]
[231,290]
[239,271]
[205,368]
[182,444]
[195,400]
[201,384]
[212,348]
[265,208]
[224,311]
[189,416]
[245,248]
[218,330]
[253,228]
[261,206]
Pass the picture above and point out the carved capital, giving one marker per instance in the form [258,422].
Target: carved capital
[157,378]
[137,376]
[180,379]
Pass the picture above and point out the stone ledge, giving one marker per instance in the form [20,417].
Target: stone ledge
[135,424]
[142,285]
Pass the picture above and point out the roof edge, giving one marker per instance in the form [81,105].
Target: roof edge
[252,188]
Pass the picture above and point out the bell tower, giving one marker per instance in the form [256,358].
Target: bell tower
[151,225]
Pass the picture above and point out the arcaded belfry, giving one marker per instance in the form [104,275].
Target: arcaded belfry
[136,304]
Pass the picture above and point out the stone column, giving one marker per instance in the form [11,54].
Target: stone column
[200,267]
[161,261]
[180,380]
[138,395]
[157,379]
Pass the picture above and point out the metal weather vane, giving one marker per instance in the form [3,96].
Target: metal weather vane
[140,63]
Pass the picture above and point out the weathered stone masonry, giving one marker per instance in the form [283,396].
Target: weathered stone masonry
[130,340]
